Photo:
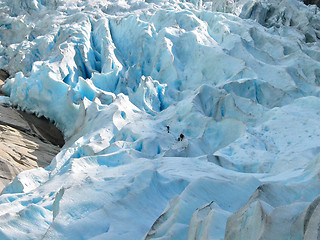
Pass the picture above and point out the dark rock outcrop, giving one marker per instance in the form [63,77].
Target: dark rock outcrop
[312,2]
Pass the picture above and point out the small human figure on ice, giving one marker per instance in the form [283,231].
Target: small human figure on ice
[181,137]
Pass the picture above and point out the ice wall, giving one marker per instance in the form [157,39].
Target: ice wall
[124,79]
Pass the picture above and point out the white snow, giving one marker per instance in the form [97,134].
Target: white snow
[239,79]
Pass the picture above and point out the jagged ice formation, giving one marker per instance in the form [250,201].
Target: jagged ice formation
[239,79]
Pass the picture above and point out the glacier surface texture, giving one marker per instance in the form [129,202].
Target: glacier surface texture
[183,119]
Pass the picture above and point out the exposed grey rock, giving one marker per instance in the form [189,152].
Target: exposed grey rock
[26,141]
[3,76]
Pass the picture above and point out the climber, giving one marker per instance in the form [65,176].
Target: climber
[181,137]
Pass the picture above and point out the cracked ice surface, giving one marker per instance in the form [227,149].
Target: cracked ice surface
[239,79]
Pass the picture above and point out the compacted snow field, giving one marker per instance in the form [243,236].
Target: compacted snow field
[183,119]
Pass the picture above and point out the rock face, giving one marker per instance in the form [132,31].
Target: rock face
[26,141]
[315,2]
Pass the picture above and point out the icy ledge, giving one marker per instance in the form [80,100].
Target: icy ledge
[124,80]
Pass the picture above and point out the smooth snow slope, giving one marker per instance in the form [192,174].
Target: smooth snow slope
[239,79]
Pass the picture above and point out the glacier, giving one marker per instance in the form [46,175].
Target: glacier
[123,79]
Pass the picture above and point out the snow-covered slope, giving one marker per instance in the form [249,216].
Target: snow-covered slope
[124,79]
